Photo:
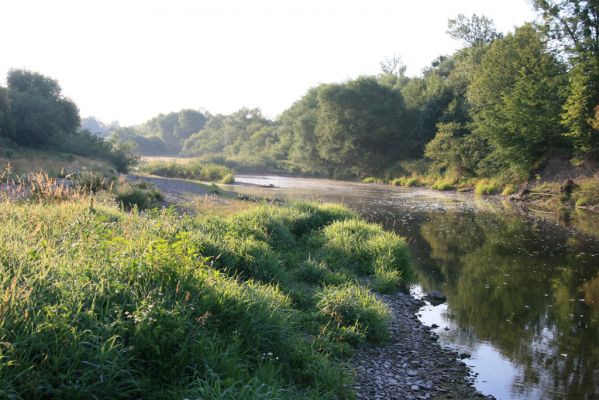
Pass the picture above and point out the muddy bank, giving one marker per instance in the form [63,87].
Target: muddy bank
[412,365]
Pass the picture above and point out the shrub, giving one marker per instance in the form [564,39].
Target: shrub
[353,306]
[486,187]
[408,181]
[369,179]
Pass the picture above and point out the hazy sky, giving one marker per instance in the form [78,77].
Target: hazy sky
[129,60]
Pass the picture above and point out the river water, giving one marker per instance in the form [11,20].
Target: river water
[522,287]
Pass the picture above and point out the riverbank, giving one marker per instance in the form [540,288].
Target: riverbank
[412,365]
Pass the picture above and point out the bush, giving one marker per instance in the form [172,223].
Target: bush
[356,307]
[486,187]
[369,179]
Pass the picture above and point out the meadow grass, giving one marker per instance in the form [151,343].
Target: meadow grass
[190,169]
[98,302]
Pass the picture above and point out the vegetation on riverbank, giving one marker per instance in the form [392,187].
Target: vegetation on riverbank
[264,303]
[188,169]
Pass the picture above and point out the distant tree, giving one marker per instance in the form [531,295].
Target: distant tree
[97,127]
[174,127]
[361,124]
[41,114]
[6,121]
[473,31]
[516,97]
[574,27]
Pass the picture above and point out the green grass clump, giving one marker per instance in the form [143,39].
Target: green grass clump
[228,179]
[261,304]
[508,189]
[407,181]
[361,247]
[193,169]
[386,280]
[486,187]
[137,195]
[443,184]
[369,179]
[352,306]
[93,182]
[587,192]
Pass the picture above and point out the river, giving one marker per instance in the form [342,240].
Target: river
[522,288]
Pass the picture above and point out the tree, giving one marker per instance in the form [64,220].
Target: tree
[41,114]
[474,31]
[574,27]
[6,121]
[516,97]
[361,125]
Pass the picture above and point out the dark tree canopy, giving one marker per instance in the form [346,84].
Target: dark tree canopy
[40,112]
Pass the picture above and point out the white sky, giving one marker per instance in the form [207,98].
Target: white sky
[129,60]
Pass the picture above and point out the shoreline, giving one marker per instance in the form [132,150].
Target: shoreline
[412,364]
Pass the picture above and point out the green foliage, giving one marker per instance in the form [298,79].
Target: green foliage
[140,196]
[369,179]
[192,169]
[579,115]
[386,280]
[354,307]
[517,97]
[228,179]
[360,247]
[141,300]
[41,114]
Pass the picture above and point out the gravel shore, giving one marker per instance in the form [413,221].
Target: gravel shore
[412,364]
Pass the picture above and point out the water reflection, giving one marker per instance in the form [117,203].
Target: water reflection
[523,291]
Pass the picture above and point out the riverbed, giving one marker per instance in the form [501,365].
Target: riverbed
[522,286]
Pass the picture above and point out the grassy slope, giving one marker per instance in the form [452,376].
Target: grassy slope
[23,161]
[262,304]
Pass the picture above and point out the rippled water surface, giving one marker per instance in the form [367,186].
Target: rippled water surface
[522,287]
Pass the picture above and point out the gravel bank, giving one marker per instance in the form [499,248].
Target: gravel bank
[412,365]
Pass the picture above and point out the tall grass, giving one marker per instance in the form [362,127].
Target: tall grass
[192,169]
[257,305]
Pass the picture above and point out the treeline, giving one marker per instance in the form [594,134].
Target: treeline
[501,104]
[35,114]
